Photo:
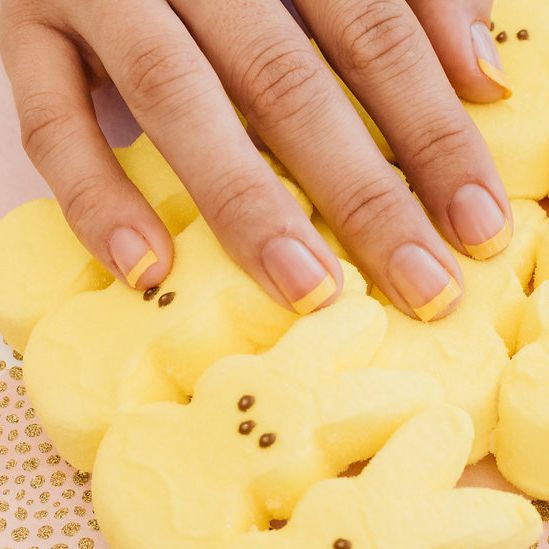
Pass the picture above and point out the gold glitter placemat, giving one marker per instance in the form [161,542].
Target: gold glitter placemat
[44,502]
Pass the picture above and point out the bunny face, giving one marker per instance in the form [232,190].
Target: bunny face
[517,130]
[258,432]
[407,503]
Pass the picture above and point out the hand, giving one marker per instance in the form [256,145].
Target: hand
[172,62]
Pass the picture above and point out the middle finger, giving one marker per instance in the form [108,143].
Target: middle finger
[290,98]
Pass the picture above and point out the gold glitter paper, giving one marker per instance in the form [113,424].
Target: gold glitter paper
[23,448]
[16,373]
[33,430]
[44,532]
[80,478]
[71,528]
[542,508]
[21,514]
[61,513]
[31,517]
[20,534]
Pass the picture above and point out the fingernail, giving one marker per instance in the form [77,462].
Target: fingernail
[422,281]
[131,253]
[297,273]
[488,57]
[479,222]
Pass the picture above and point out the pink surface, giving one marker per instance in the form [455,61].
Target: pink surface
[19,180]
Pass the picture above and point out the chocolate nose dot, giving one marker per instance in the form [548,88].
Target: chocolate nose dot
[523,34]
[246,427]
[501,37]
[342,544]
[246,402]
[166,299]
[150,293]
[267,439]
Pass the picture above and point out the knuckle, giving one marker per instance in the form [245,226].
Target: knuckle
[364,207]
[17,12]
[82,203]
[377,35]
[235,198]
[159,72]
[279,86]
[45,120]
[437,141]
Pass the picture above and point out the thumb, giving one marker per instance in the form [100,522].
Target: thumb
[461,36]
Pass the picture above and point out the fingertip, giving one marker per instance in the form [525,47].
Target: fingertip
[492,84]
[430,286]
[461,36]
[481,225]
[141,261]
[299,275]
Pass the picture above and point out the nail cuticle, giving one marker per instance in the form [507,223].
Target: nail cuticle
[422,281]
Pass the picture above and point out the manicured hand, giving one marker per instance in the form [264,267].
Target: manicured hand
[176,64]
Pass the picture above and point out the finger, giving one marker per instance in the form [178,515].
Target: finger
[381,51]
[460,34]
[61,136]
[289,96]
[175,95]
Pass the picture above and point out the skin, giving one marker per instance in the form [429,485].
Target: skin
[176,64]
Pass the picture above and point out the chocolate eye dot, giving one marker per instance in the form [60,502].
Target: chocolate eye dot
[166,299]
[246,402]
[342,544]
[501,37]
[150,293]
[246,427]
[266,440]
[523,34]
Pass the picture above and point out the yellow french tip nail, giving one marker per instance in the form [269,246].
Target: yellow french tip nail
[315,297]
[140,267]
[440,302]
[492,246]
[497,75]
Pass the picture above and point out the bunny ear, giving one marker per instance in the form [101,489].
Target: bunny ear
[361,409]
[474,518]
[428,453]
[344,335]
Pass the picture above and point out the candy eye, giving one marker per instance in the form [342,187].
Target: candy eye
[266,440]
[501,37]
[165,299]
[523,34]
[151,293]
[246,402]
[246,427]
[342,543]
